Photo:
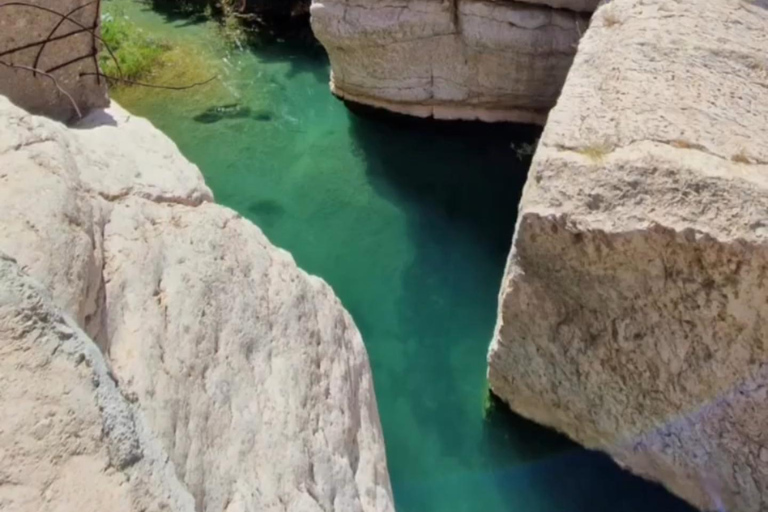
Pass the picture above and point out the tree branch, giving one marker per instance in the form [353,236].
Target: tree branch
[49,76]
[152,86]
[53,31]
[92,30]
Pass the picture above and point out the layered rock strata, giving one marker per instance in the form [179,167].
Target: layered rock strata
[452,59]
[249,377]
[634,310]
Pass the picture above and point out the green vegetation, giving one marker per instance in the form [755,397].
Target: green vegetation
[490,403]
[232,29]
[595,152]
[136,53]
[228,14]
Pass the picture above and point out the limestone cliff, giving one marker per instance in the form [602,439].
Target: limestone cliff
[634,310]
[451,59]
[246,374]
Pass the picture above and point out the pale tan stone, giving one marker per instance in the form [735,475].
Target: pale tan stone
[69,440]
[492,61]
[634,311]
[248,372]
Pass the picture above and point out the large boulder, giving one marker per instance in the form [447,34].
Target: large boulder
[247,371]
[634,310]
[459,59]
[61,39]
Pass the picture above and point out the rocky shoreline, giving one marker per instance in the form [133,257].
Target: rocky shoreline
[632,314]
[249,384]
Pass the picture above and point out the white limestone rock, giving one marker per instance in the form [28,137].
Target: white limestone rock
[634,311]
[249,372]
[493,61]
[69,440]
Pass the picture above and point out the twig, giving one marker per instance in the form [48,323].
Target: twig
[43,41]
[53,31]
[51,77]
[69,62]
[152,86]
[94,46]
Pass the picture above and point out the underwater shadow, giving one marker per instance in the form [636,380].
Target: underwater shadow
[459,185]
[303,55]
[174,14]
[573,479]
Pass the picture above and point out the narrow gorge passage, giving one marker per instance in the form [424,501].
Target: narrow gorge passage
[410,222]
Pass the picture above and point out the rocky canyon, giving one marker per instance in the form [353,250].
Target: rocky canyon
[159,353]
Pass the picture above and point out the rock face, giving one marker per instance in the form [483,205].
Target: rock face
[457,59]
[247,372]
[634,310]
[573,5]
[70,25]
[70,439]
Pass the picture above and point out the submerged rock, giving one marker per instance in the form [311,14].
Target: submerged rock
[247,373]
[634,310]
[231,111]
[458,59]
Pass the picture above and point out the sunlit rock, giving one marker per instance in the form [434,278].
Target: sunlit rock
[248,373]
[493,61]
[634,310]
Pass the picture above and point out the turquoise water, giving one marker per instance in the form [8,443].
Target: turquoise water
[410,222]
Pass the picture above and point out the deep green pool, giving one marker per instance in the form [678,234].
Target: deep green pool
[410,222]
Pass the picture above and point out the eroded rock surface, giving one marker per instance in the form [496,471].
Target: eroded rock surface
[247,371]
[69,439]
[634,310]
[461,59]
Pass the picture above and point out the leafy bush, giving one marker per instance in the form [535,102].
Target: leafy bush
[136,53]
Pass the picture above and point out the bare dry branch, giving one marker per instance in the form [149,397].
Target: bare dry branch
[92,30]
[56,27]
[70,62]
[17,49]
[153,86]
[49,76]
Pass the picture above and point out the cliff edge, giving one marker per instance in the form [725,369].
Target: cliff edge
[250,380]
[634,311]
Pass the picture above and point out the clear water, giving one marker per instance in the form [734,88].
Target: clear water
[410,222]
